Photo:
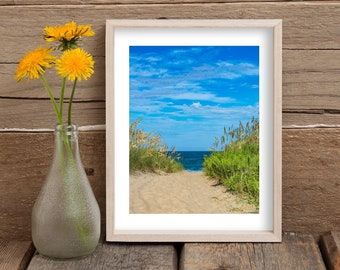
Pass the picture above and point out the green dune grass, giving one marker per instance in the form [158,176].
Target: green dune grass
[148,153]
[234,160]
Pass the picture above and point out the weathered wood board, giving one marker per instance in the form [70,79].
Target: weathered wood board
[15,254]
[307,25]
[330,248]
[310,176]
[39,114]
[115,256]
[298,252]
[24,162]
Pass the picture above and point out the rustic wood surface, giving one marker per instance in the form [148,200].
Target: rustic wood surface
[23,167]
[39,114]
[307,25]
[310,173]
[15,254]
[298,252]
[330,248]
[311,49]
[115,256]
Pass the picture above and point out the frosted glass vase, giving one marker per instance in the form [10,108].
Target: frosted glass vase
[66,216]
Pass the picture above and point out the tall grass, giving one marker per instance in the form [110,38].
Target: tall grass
[235,160]
[148,153]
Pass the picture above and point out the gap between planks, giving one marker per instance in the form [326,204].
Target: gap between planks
[103,128]
[330,248]
[15,254]
[37,130]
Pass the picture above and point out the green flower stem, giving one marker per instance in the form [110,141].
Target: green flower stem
[82,232]
[54,104]
[64,142]
[69,121]
[61,101]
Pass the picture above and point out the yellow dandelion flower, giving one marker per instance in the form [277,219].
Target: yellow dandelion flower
[75,64]
[34,63]
[68,32]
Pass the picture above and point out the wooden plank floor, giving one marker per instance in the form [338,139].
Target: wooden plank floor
[297,251]
[15,254]
[115,256]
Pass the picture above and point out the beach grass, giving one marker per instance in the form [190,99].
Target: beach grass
[148,153]
[234,160]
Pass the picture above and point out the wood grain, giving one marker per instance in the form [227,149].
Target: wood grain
[24,162]
[330,248]
[310,173]
[25,113]
[310,80]
[15,254]
[115,256]
[301,28]
[91,90]
[310,118]
[297,252]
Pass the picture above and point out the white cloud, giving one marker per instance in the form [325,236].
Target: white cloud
[196,105]
[179,91]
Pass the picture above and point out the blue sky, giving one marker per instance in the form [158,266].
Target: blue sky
[188,94]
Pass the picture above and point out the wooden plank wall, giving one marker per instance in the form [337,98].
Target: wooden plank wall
[311,100]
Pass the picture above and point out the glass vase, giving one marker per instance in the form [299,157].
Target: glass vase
[66,216]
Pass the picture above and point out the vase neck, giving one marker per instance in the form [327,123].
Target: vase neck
[67,131]
[66,141]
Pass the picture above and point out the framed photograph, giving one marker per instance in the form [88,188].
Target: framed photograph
[193,130]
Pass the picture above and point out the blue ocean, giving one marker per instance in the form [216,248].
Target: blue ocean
[192,160]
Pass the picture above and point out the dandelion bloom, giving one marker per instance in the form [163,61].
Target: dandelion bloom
[68,32]
[34,63]
[75,64]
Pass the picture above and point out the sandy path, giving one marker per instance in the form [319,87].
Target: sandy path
[183,192]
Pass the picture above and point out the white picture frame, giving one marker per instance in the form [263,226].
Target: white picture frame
[123,226]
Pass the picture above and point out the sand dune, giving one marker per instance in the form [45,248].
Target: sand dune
[184,192]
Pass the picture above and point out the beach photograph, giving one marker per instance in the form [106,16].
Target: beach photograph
[194,129]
